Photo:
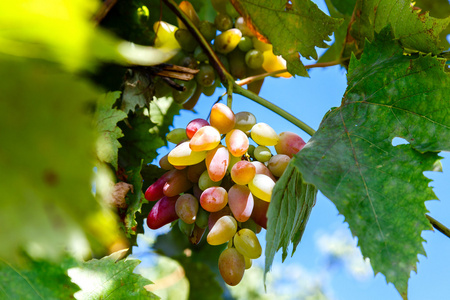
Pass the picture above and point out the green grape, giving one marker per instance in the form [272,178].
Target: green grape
[264,135]
[206,75]
[233,161]
[176,135]
[251,150]
[231,266]
[278,163]
[202,218]
[187,208]
[205,182]
[262,153]
[242,26]
[250,223]
[162,89]
[227,41]
[200,55]
[182,155]
[245,44]
[223,22]
[189,61]
[254,59]
[183,96]
[186,40]
[185,228]
[245,121]
[237,64]
[231,11]
[223,230]
[246,242]
[219,5]
[208,30]
[261,186]
[209,90]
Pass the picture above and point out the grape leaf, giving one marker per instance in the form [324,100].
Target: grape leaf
[293,28]
[106,122]
[289,210]
[415,29]
[438,9]
[110,278]
[380,189]
[137,93]
[35,280]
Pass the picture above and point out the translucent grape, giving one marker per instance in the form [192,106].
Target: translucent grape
[246,242]
[278,163]
[243,172]
[231,266]
[214,216]
[222,118]
[245,121]
[208,30]
[240,200]
[237,142]
[187,208]
[261,186]
[182,155]
[205,182]
[214,198]
[185,227]
[206,138]
[262,169]
[233,161]
[182,96]
[162,213]
[290,143]
[165,35]
[242,26]
[177,183]
[264,135]
[274,63]
[176,135]
[223,22]
[254,59]
[194,125]
[262,153]
[206,75]
[217,162]
[222,231]
[227,41]
[200,55]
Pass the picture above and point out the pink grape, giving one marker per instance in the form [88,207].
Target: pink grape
[206,138]
[262,169]
[240,200]
[237,142]
[177,183]
[162,213]
[195,125]
[156,190]
[243,172]
[217,162]
[289,143]
[214,198]
[259,213]
[278,163]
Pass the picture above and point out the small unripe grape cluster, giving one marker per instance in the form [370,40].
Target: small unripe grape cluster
[217,183]
[239,51]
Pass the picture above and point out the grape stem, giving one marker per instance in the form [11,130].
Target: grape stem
[439,226]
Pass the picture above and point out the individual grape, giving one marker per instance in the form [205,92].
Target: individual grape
[260,45]
[164,163]
[243,172]
[176,135]
[214,216]
[259,213]
[214,198]
[237,142]
[245,44]
[238,68]
[262,169]
[185,227]
[189,10]
[187,208]
[240,200]
[261,186]
[206,138]
[202,218]
[200,55]
[208,30]
[231,266]
[177,183]
[162,213]
[217,162]
[231,11]
[205,182]
[251,150]
[205,76]
[264,135]
[278,163]
[254,59]
[242,26]
[233,161]
[156,190]
[165,35]
[273,63]
[222,118]
[248,263]
[222,231]
[182,155]
[195,125]
[223,22]
[189,61]
[195,171]
[196,235]
[182,96]
[290,143]
[245,121]
[246,242]
[186,40]
[227,41]
[209,90]
[262,153]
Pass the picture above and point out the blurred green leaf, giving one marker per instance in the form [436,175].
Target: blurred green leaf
[291,29]
[162,112]
[380,189]
[110,278]
[106,122]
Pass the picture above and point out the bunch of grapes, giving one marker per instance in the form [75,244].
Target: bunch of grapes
[223,189]
[239,51]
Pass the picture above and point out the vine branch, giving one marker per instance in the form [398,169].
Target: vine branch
[439,226]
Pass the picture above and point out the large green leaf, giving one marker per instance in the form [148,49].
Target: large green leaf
[289,210]
[106,122]
[110,278]
[35,280]
[380,188]
[293,28]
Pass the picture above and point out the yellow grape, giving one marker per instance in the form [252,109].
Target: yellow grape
[222,118]
[248,263]
[272,63]
[182,155]
[278,163]
[243,172]
[165,35]
[231,266]
[237,142]
[206,138]
[222,231]
[217,162]
[186,208]
[189,10]
[228,40]
[214,198]
[245,121]
[261,186]
[246,242]
[262,169]
[264,135]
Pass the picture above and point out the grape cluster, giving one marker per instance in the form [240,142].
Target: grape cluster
[224,189]
[239,51]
